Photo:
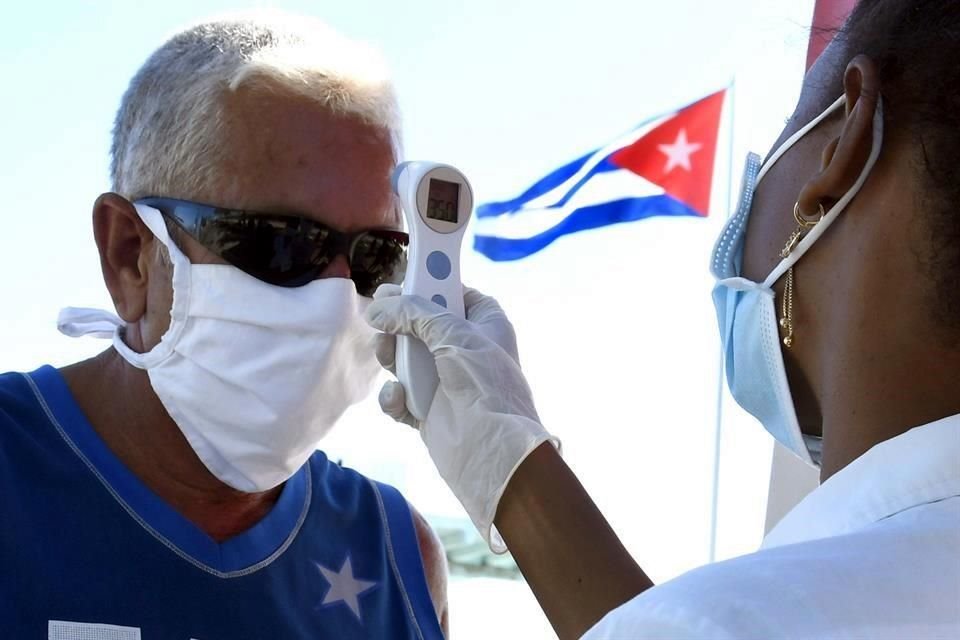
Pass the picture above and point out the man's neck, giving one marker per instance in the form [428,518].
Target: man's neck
[126,413]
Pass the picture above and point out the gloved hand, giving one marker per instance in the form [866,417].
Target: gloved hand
[482,423]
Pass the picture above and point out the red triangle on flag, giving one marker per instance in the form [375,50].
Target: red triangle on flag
[679,154]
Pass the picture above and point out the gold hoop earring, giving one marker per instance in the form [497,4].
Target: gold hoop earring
[804,225]
[804,222]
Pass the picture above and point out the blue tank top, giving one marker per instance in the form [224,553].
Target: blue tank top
[88,552]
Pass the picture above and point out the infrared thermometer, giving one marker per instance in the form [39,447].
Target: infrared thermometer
[437,202]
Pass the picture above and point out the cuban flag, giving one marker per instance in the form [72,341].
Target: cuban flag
[664,167]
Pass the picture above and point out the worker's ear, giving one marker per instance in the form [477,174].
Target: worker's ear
[845,156]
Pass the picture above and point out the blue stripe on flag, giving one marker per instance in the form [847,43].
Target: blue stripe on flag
[551,181]
[602,167]
[599,215]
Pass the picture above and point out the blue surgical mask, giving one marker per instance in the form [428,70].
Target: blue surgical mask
[747,312]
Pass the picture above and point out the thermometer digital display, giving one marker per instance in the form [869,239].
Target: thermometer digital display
[443,200]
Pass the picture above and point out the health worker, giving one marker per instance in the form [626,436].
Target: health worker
[839,312]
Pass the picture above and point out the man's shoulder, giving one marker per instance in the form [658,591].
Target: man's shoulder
[29,440]
[15,390]
[343,488]
[326,472]
[339,488]
[19,401]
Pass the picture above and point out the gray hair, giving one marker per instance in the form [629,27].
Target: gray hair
[169,137]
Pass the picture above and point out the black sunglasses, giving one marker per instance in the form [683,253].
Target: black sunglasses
[286,250]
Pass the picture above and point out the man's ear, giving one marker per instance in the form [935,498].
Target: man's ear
[845,156]
[125,246]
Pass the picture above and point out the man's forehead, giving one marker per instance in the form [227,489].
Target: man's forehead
[289,154]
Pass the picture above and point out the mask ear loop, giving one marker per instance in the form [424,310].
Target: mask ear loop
[181,283]
[733,231]
[792,140]
[804,245]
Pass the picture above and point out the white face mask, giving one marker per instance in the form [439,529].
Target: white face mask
[254,375]
[746,310]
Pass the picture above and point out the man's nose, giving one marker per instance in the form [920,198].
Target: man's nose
[339,268]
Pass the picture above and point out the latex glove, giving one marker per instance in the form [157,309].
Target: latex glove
[482,423]
[488,319]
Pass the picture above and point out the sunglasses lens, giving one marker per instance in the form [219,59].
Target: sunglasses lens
[378,257]
[276,250]
[289,251]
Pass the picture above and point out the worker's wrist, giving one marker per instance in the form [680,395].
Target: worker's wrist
[525,487]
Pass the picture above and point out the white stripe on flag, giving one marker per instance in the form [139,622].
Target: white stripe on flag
[556,194]
[601,188]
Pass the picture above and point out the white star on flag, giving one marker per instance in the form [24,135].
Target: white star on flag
[344,587]
[678,154]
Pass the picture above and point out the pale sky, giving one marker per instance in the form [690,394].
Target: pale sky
[616,328]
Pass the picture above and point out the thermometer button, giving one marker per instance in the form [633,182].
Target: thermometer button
[440,300]
[438,265]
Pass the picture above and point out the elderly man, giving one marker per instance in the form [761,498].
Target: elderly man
[170,486]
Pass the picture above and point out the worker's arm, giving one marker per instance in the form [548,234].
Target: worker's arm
[571,558]
[485,437]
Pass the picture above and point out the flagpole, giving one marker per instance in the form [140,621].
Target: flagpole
[715,498]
